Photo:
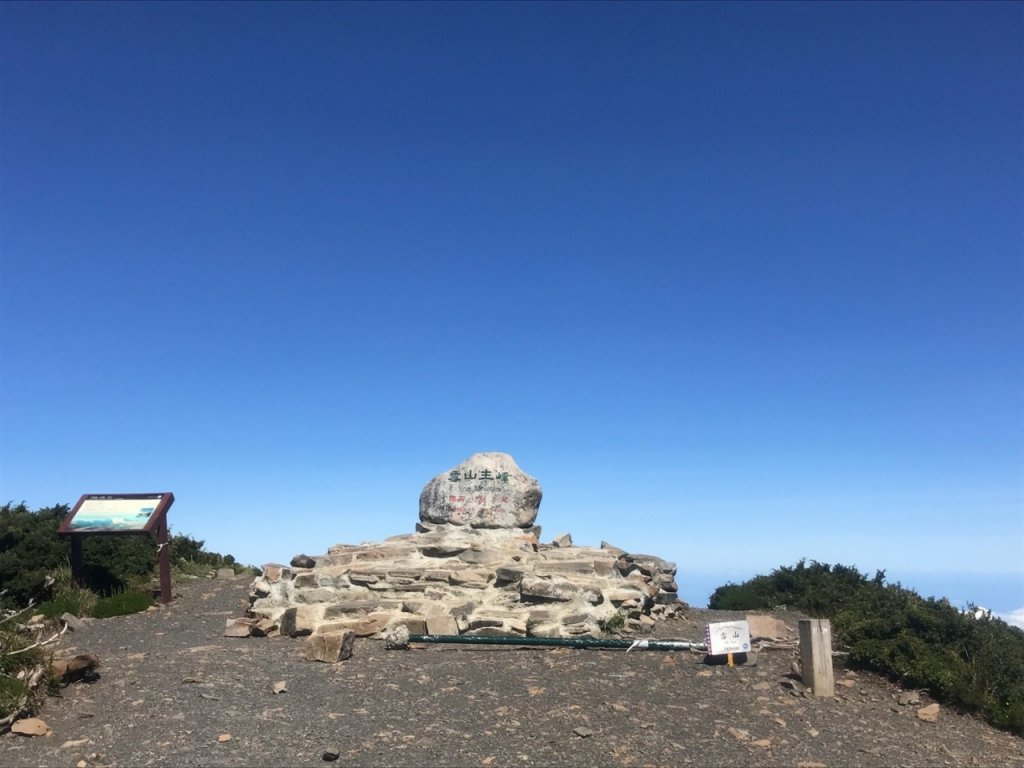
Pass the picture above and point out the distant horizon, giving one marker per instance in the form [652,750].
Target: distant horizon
[1001,592]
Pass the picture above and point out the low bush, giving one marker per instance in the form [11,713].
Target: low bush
[122,604]
[78,601]
[34,561]
[972,662]
[12,695]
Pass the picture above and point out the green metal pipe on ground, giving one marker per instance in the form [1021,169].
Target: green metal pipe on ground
[562,642]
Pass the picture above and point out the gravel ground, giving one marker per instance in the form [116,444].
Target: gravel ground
[171,689]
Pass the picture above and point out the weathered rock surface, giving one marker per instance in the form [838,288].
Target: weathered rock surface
[75,667]
[474,566]
[330,646]
[510,585]
[487,490]
[30,726]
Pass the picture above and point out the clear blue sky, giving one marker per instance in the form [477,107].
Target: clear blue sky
[739,284]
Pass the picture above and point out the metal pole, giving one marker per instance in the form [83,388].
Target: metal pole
[562,642]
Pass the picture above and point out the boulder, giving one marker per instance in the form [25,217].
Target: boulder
[487,490]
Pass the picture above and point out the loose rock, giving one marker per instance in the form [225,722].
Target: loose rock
[30,726]
[330,647]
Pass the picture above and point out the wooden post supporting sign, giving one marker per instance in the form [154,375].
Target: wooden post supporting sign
[816,656]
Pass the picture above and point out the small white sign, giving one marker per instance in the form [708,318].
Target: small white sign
[727,637]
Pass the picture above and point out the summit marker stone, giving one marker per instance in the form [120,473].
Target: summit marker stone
[487,490]
[474,565]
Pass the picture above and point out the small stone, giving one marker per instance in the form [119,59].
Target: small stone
[396,637]
[81,764]
[263,627]
[224,737]
[74,623]
[226,573]
[563,540]
[908,698]
[330,647]
[764,685]
[303,561]
[72,743]
[846,683]
[929,714]
[330,755]
[75,667]
[441,625]
[583,733]
[738,733]
[30,726]
[279,687]
[238,627]
[766,743]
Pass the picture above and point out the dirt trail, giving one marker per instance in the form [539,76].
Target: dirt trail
[171,686]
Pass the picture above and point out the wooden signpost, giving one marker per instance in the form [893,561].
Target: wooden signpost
[816,656]
[121,514]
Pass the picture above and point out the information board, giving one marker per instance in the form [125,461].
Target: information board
[121,514]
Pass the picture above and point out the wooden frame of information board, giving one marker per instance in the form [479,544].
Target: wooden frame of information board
[121,514]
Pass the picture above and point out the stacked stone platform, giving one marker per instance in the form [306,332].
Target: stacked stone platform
[474,566]
[451,580]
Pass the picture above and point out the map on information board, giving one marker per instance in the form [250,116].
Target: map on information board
[112,514]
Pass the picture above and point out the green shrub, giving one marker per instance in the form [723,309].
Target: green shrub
[16,655]
[122,604]
[13,656]
[613,624]
[12,694]
[974,664]
[77,601]
[31,555]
